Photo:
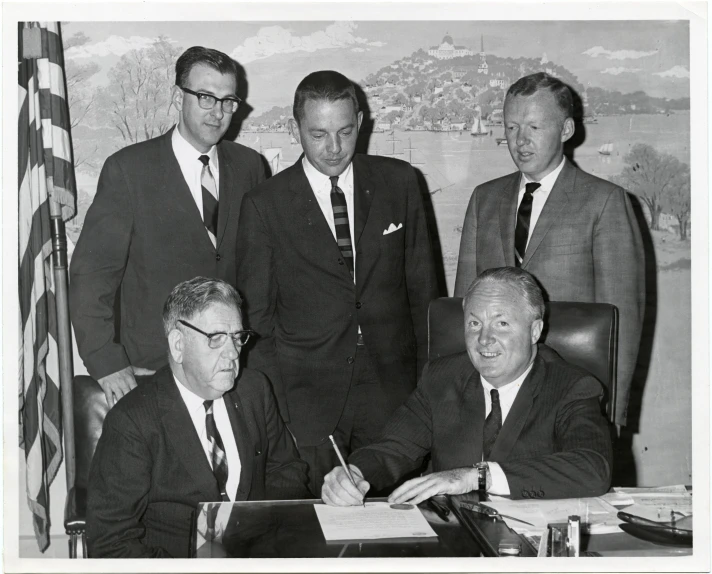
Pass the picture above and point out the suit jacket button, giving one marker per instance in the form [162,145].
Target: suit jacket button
[341,261]
[540,494]
[258,452]
[350,360]
[525,494]
[358,304]
[217,257]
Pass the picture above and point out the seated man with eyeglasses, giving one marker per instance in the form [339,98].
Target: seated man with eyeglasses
[199,430]
[165,210]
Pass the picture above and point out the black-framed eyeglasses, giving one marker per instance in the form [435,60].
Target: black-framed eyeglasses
[207,101]
[218,339]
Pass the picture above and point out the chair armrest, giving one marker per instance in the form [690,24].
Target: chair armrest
[75,510]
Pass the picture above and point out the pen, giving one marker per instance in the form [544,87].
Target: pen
[343,464]
[438,509]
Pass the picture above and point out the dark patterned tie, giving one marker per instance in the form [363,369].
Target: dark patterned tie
[493,424]
[217,450]
[341,223]
[524,214]
[210,199]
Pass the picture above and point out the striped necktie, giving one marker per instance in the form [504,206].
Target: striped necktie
[218,458]
[210,200]
[341,223]
[493,424]
[524,214]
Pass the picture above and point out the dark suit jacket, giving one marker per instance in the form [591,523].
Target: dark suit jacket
[586,247]
[144,234]
[302,299]
[554,443]
[150,471]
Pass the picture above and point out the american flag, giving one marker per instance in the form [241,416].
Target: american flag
[46,186]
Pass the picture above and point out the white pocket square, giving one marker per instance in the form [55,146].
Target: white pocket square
[391,228]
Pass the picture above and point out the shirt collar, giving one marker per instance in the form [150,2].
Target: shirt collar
[188,154]
[315,176]
[191,400]
[547,182]
[515,383]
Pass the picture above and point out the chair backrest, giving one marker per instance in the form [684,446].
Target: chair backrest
[90,408]
[584,334]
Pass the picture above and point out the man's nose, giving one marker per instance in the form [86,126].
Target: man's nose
[217,111]
[231,350]
[522,137]
[335,145]
[485,337]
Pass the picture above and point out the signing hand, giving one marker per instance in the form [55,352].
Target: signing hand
[455,481]
[338,489]
[117,384]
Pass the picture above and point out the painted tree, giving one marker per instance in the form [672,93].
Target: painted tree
[138,97]
[654,177]
[678,202]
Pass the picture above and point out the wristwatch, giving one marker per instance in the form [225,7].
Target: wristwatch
[482,470]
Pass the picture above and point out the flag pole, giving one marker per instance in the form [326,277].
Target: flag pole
[64,337]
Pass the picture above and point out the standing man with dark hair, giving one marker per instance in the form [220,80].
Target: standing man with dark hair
[336,265]
[575,233]
[165,210]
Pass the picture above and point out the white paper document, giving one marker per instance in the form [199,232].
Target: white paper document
[660,504]
[597,516]
[375,520]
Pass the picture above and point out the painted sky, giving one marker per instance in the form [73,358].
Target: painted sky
[652,56]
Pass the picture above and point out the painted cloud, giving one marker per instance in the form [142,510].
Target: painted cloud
[674,72]
[272,40]
[617,54]
[618,71]
[113,45]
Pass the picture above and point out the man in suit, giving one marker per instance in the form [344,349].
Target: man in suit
[506,416]
[165,210]
[199,430]
[335,263]
[574,232]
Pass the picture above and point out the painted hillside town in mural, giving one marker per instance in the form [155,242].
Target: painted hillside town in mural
[433,94]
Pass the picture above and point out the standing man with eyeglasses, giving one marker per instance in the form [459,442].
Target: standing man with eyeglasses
[165,210]
[199,430]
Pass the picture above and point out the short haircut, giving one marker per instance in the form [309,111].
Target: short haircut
[530,85]
[194,296]
[208,57]
[323,85]
[518,279]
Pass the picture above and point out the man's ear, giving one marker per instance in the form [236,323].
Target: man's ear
[177,96]
[537,328]
[294,130]
[176,340]
[567,130]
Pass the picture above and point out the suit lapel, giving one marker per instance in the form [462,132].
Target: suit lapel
[519,413]
[473,412]
[364,189]
[508,218]
[555,204]
[180,432]
[242,438]
[227,194]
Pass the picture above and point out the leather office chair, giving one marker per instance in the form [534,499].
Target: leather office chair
[90,408]
[584,334]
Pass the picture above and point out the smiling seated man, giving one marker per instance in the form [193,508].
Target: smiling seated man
[200,430]
[514,407]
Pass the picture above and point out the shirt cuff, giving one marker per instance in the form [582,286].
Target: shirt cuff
[499,485]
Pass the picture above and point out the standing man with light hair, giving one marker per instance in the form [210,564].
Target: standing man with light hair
[336,265]
[199,430]
[508,416]
[165,210]
[576,233]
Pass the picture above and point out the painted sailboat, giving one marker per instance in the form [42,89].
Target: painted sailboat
[478,128]
[606,149]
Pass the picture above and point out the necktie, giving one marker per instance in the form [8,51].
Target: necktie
[493,424]
[341,223]
[524,214]
[217,450]
[210,200]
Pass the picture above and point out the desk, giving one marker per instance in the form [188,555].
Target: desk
[290,529]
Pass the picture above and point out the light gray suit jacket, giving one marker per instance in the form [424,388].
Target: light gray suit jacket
[586,247]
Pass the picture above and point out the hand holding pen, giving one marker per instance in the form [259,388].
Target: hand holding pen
[344,485]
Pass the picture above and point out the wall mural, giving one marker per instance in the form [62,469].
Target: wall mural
[434,93]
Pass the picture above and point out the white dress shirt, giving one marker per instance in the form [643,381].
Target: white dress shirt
[192,167]
[197,414]
[321,186]
[540,196]
[507,394]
